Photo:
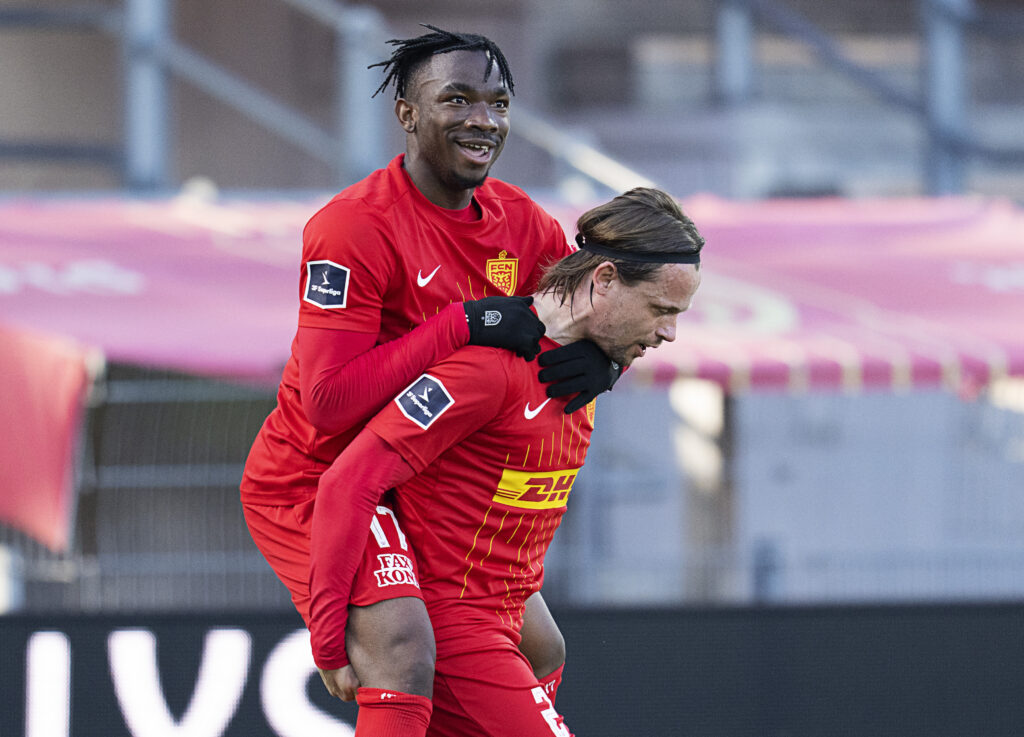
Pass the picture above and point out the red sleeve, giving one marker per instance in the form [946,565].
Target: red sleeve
[468,389]
[346,380]
[345,504]
[349,490]
[348,261]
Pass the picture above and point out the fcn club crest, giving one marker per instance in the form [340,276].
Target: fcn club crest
[502,272]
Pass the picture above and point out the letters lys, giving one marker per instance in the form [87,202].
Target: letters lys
[223,673]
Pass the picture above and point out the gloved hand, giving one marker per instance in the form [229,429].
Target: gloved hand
[578,367]
[505,322]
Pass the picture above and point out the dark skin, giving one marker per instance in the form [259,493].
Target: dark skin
[455,124]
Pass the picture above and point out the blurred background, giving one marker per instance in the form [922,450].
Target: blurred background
[805,517]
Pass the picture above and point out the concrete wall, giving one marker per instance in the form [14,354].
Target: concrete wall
[824,497]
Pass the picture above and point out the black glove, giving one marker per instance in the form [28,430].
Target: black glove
[578,367]
[505,322]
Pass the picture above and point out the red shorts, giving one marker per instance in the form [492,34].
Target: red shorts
[388,569]
[493,693]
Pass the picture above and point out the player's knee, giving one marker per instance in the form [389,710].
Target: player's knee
[391,645]
[402,661]
[413,663]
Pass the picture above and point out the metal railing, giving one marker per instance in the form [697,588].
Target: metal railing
[352,147]
[941,106]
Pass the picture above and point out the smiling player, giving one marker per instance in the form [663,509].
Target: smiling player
[399,271]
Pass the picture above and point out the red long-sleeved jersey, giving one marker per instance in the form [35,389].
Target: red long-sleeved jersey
[495,460]
[378,261]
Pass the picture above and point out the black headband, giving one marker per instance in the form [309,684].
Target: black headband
[647,257]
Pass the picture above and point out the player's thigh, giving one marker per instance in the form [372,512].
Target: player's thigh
[493,694]
[389,639]
[542,642]
[391,645]
[387,571]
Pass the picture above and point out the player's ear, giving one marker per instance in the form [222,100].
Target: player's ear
[407,114]
[603,277]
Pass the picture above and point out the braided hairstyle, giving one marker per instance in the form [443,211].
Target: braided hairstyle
[411,52]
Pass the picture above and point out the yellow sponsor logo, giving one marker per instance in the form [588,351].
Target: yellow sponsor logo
[535,489]
[590,411]
[502,272]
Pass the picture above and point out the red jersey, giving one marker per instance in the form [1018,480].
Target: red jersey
[495,460]
[380,258]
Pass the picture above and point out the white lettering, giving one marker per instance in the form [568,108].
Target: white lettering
[283,692]
[395,569]
[999,278]
[322,290]
[551,716]
[91,276]
[222,675]
[394,521]
[102,277]
[48,687]
[220,682]
[419,405]
[378,533]
[41,276]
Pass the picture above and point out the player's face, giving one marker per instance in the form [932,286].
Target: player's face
[630,319]
[457,124]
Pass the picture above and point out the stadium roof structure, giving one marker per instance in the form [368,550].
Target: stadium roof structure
[797,295]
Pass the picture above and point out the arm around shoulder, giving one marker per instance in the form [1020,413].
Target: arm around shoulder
[345,379]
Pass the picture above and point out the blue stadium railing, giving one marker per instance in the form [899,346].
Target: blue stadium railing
[353,148]
[941,107]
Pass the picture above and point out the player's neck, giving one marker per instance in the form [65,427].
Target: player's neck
[564,322]
[438,192]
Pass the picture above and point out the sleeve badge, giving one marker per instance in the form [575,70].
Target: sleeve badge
[326,285]
[424,400]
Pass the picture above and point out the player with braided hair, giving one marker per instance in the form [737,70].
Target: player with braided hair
[411,51]
[399,271]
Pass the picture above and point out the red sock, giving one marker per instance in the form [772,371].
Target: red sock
[387,713]
[552,682]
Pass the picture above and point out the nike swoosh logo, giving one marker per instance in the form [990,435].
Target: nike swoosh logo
[531,413]
[425,280]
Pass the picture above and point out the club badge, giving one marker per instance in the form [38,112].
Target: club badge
[502,272]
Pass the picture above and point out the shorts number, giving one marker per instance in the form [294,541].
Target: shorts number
[550,715]
[378,531]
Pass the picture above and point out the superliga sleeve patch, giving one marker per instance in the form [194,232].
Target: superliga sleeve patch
[424,400]
[326,284]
